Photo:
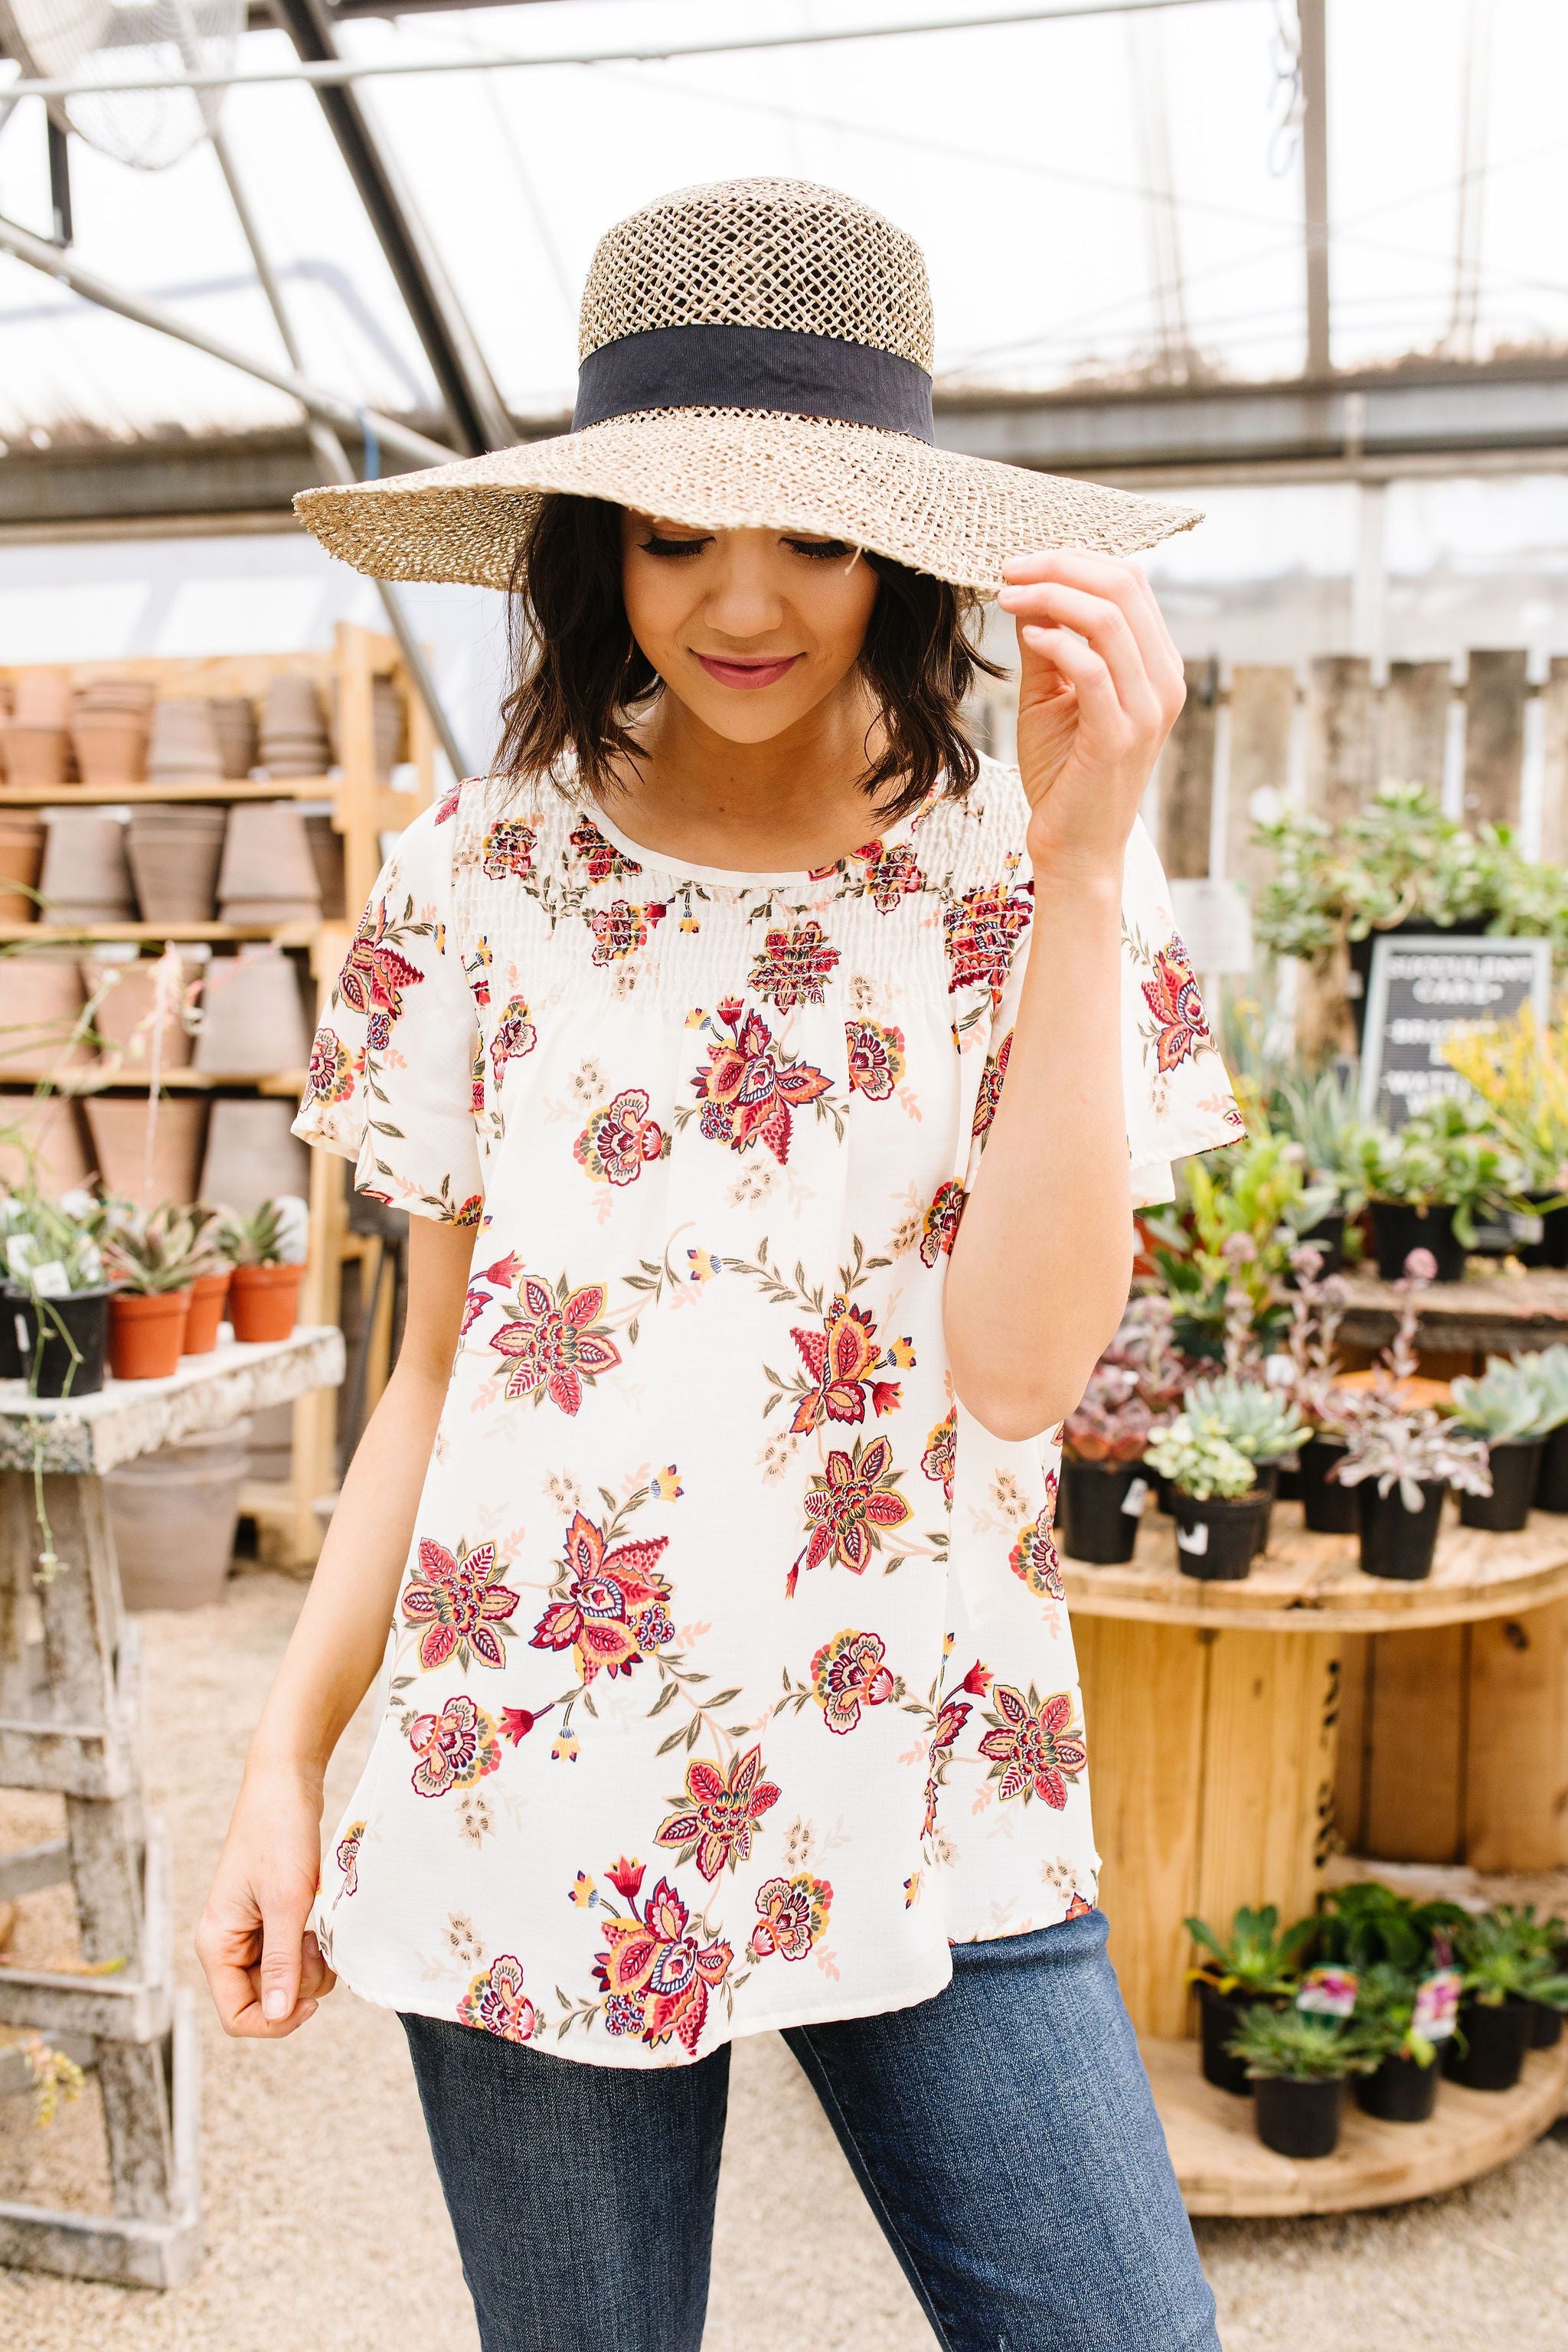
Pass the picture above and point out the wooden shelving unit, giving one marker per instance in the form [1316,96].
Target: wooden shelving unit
[362,807]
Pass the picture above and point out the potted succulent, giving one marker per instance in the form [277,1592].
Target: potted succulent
[1319,1111]
[54,1305]
[1519,1070]
[1260,1421]
[267,1252]
[1404,1461]
[153,1259]
[1428,1183]
[1242,1214]
[1317,1311]
[1505,1975]
[1548,1373]
[1299,2062]
[1503,1407]
[1548,1939]
[1254,1963]
[1103,1487]
[1216,1499]
[1397,2011]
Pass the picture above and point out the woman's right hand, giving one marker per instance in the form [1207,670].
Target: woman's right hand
[264,1968]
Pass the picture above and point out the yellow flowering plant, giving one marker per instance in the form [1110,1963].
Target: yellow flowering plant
[1519,1070]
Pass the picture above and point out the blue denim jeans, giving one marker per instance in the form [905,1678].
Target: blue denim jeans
[1002,2134]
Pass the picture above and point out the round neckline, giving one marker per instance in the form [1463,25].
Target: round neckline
[737,878]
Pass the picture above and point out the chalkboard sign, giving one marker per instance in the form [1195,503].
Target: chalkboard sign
[1423,988]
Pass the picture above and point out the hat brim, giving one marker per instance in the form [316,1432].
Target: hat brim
[933,509]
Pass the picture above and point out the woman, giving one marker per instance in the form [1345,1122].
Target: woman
[773,1199]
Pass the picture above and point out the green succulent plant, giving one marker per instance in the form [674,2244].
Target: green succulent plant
[1504,1405]
[1385,2012]
[1443,1156]
[1201,1461]
[1367,1925]
[1302,2046]
[164,1250]
[1261,1422]
[42,1240]
[1258,1956]
[1508,1954]
[259,1239]
[1548,1374]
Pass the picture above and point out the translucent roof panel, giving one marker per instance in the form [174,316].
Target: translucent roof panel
[1108,198]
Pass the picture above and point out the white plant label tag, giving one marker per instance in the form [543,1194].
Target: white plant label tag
[1193,1540]
[1327,1992]
[51,1280]
[1137,1495]
[1437,2012]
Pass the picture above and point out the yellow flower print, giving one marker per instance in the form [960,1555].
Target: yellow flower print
[903,1353]
[704,1264]
[565,1749]
[666,1485]
[582,1892]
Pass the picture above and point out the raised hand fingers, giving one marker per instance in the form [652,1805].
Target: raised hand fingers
[1126,586]
[1104,623]
[1083,669]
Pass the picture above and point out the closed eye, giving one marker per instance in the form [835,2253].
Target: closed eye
[654,545]
[823,550]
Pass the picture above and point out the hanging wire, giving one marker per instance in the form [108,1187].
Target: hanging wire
[1287,99]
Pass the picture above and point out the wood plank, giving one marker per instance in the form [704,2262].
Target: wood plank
[1186,777]
[1554,793]
[1341,761]
[1262,712]
[1143,1701]
[1354,1701]
[1494,736]
[1269,1737]
[1416,1754]
[1413,723]
[1516,1781]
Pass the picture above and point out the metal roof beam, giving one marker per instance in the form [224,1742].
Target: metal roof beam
[1311,16]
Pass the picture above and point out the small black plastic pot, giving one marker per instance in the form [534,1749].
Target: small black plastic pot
[1300,2118]
[1489,2051]
[1329,1508]
[1552,1249]
[46,1360]
[1164,1490]
[1515,1469]
[1097,1525]
[1396,1542]
[1552,1486]
[1398,1227]
[1289,1489]
[1546,2025]
[1218,1540]
[10,1336]
[1268,1476]
[1402,2091]
[1220,2017]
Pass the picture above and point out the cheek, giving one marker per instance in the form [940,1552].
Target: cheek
[657,601]
[843,615]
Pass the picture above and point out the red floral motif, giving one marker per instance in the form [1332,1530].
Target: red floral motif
[455,1748]
[374,975]
[496,2002]
[940,1460]
[656,1974]
[750,1086]
[329,1076]
[1172,996]
[462,1604]
[557,1343]
[477,1081]
[615,1612]
[507,848]
[1035,1747]
[468,1212]
[620,1140]
[952,1716]
[939,1230]
[619,929]
[981,934]
[715,1823]
[603,861]
[793,966]
[348,1855]
[841,1360]
[849,1509]
[876,1058]
[792,1916]
[449,806]
[514,1035]
[1079,1908]
[847,1674]
[1033,1558]
[890,874]
[990,1093]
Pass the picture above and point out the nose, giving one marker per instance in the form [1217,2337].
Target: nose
[744,603]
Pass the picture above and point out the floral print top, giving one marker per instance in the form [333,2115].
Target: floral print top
[729,1678]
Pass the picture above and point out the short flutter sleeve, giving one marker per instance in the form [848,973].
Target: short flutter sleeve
[1177,1096]
[390,1083]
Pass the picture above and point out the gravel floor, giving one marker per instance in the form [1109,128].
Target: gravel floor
[326,2234]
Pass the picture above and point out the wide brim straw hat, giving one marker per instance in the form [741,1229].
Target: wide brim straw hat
[754,353]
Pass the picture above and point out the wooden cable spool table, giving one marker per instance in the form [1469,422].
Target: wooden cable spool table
[1215,1714]
[69,1708]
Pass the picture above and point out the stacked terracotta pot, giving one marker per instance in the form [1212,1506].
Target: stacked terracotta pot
[184,747]
[21,855]
[327,854]
[85,877]
[389,734]
[267,875]
[174,849]
[234,717]
[138,1010]
[38,732]
[41,1142]
[294,728]
[252,1016]
[251,1155]
[110,720]
[42,1029]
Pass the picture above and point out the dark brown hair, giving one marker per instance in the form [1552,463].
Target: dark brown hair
[577,671]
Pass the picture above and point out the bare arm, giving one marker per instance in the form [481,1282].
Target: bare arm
[1040,1267]
[264,1971]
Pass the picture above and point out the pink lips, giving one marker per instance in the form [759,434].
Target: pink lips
[748,675]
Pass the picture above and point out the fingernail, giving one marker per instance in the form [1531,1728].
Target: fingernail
[275,2004]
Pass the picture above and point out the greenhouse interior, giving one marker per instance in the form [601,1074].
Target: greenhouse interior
[1296,265]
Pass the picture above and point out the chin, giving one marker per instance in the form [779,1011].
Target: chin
[747,718]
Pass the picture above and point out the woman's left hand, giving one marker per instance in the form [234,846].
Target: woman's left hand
[1100,687]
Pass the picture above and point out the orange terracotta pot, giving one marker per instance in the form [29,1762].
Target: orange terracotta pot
[264,1301]
[209,1298]
[146,1333]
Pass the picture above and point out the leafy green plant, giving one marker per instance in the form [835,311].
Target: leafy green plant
[1504,1406]
[1443,1156]
[268,1236]
[1519,1070]
[46,1249]
[1367,1925]
[1318,1109]
[1302,2046]
[1256,1957]
[1260,1421]
[164,1250]
[1242,1213]
[1202,1462]
[1504,1956]
[1547,1372]
[1386,2013]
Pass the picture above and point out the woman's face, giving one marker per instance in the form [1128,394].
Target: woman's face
[750,629]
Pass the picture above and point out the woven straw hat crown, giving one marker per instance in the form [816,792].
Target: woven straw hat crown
[760,253]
